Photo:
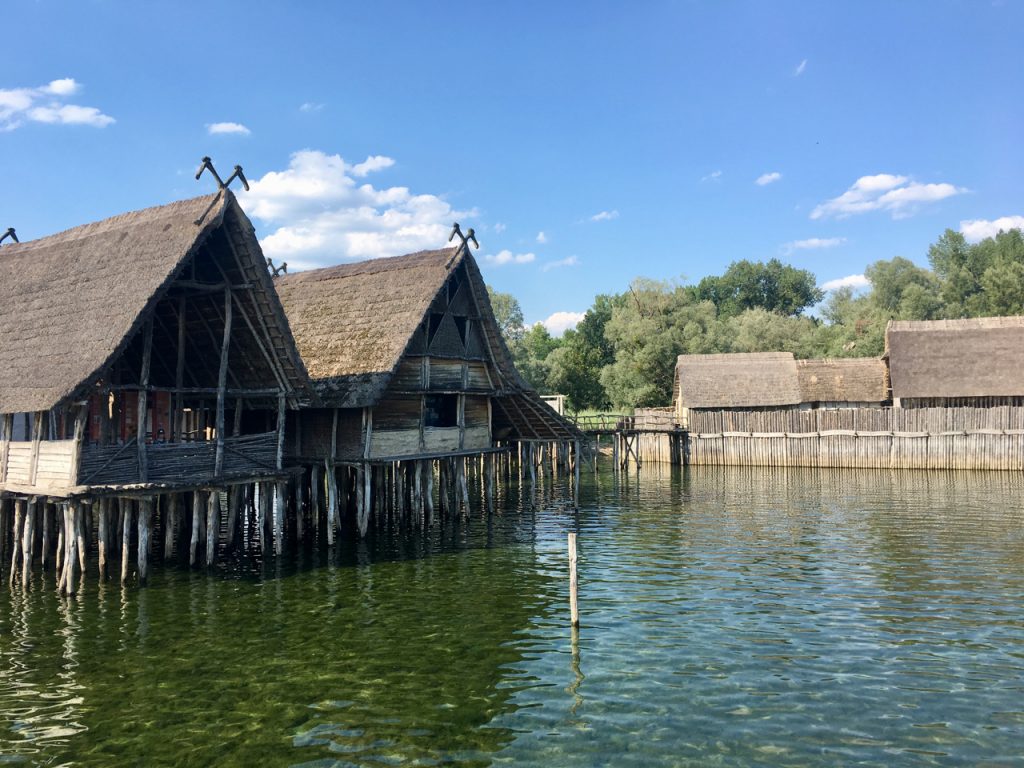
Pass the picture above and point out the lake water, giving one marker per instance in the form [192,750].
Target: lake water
[731,617]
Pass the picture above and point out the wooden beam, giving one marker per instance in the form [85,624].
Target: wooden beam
[222,380]
[6,432]
[281,400]
[37,437]
[179,375]
[140,425]
[196,285]
[79,438]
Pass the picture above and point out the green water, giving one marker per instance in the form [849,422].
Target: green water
[729,617]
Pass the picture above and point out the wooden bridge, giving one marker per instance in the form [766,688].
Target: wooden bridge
[647,433]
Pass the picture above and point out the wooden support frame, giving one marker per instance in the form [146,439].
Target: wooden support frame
[140,426]
[37,438]
[6,432]
[222,380]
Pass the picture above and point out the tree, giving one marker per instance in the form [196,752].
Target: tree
[508,313]
[649,328]
[775,287]
[905,291]
[575,367]
[758,330]
[530,354]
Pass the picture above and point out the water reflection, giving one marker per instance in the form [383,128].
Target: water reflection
[729,616]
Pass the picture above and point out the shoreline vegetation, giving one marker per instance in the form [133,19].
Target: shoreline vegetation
[622,354]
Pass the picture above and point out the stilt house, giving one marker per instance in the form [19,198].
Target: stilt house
[409,361]
[740,381]
[142,353]
[974,362]
[843,382]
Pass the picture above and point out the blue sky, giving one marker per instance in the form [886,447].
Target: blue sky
[587,143]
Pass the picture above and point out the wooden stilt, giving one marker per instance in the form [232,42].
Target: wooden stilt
[70,559]
[463,489]
[332,501]
[366,476]
[80,540]
[126,539]
[170,523]
[145,522]
[428,494]
[45,519]
[16,537]
[236,497]
[103,537]
[300,501]
[262,508]
[314,496]
[279,510]
[489,481]
[574,608]
[197,513]
[212,525]
[28,543]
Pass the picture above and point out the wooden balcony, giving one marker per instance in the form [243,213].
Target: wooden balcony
[52,471]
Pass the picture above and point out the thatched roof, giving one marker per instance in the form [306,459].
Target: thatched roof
[71,302]
[977,357]
[847,380]
[741,380]
[353,322]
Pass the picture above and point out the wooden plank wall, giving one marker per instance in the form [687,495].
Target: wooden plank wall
[881,438]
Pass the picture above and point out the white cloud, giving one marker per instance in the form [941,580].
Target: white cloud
[569,261]
[320,214]
[559,322]
[541,237]
[372,164]
[800,68]
[975,230]
[70,114]
[499,227]
[713,176]
[47,104]
[215,129]
[850,281]
[812,243]
[310,106]
[507,257]
[884,192]
[767,178]
[63,87]
[605,216]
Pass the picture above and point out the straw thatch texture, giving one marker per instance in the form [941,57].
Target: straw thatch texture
[68,301]
[849,380]
[977,357]
[353,322]
[71,302]
[755,379]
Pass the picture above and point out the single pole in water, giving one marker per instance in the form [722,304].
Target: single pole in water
[574,608]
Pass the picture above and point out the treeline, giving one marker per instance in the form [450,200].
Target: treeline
[622,354]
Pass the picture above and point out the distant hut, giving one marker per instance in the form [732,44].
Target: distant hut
[843,382]
[143,354]
[745,381]
[970,362]
[409,362]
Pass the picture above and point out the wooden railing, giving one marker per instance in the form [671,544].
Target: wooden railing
[251,455]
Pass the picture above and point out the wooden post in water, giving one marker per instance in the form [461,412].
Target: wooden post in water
[574,608]
[27,543]
[19,522]
[197,512]
[103,537]
[212,525]
[145,522]
[126,539]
